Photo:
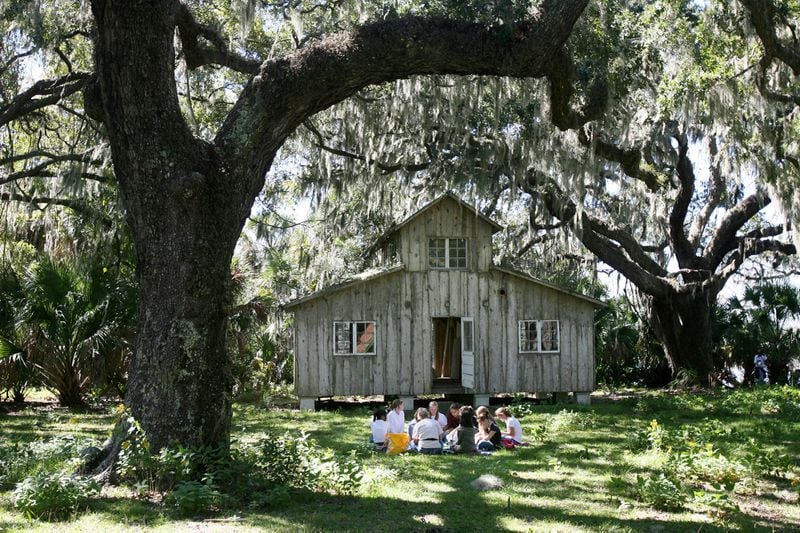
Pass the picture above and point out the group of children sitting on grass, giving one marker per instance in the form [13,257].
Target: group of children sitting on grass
[462,430]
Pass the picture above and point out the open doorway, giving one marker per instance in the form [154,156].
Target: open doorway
[446,349]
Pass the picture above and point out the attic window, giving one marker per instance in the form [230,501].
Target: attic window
[447,253]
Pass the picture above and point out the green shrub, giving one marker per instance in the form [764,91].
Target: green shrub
[765,462]
[19,460]
[286,460]
[522,407]
[298,462]
[566,420]
[704,464]
[270,497]
[660,492]
[683,402]
[53,496]
[538,433]
[783,401]
[247,473]
[193,498]
[342,475]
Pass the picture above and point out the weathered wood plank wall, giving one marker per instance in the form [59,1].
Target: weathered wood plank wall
[403,304]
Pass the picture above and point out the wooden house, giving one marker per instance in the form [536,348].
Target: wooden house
[439,317]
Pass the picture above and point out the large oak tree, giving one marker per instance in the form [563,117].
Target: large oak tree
[187,189]
[186,198]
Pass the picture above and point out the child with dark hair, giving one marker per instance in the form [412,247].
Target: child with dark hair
[463,436]
[453,416]
[488,437]
[379,428]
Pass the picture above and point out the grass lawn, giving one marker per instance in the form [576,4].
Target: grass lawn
[579,474]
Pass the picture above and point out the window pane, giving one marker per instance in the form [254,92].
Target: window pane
[528,338]
[468,337]
[436,253]
[365,337]
[549,335]
[458,253]
[343,337]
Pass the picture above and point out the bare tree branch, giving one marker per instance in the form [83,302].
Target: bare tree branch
[43,169]
[387,168]
[611,246]
[724,238]
[198,55]
[42,94]
[684,252]
[716,193]
[747,248]
[71,203]
[561,78]
[630,160]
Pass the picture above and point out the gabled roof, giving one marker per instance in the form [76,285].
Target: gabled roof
[363,277]
[397,227]
[495,226]
[594,301]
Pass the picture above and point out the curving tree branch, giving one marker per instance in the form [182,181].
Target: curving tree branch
[42,94]
[386,168]
[561,77]
[611,245]
[724,238]
[684,252]
[713,200]
[290,89]
[763,15]
[630,160]
[198,54]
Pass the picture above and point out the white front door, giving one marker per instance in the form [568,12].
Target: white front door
[467,353]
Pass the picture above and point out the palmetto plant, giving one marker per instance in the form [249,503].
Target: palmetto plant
[71,319]
[761,321]
[16,371]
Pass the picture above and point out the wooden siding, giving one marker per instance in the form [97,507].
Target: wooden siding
[447,219]
[403,303]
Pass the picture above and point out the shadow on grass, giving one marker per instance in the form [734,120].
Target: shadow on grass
[130,511]
[560,484]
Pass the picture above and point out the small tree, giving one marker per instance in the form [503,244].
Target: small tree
[69,320]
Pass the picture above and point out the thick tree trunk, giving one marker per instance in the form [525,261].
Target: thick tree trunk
[186,213]
[187,200]
[683,325]
[179,381]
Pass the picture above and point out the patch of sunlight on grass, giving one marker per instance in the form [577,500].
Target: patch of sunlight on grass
[540,475]
[511,523]
[648,460]
[439,487]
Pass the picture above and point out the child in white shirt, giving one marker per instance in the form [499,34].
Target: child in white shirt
[379,428]
[513,427]
[396,418]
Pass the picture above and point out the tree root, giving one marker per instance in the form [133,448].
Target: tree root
[100,463]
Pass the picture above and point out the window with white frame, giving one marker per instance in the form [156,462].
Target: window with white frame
[539,336]
[354,338]
[447,253]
